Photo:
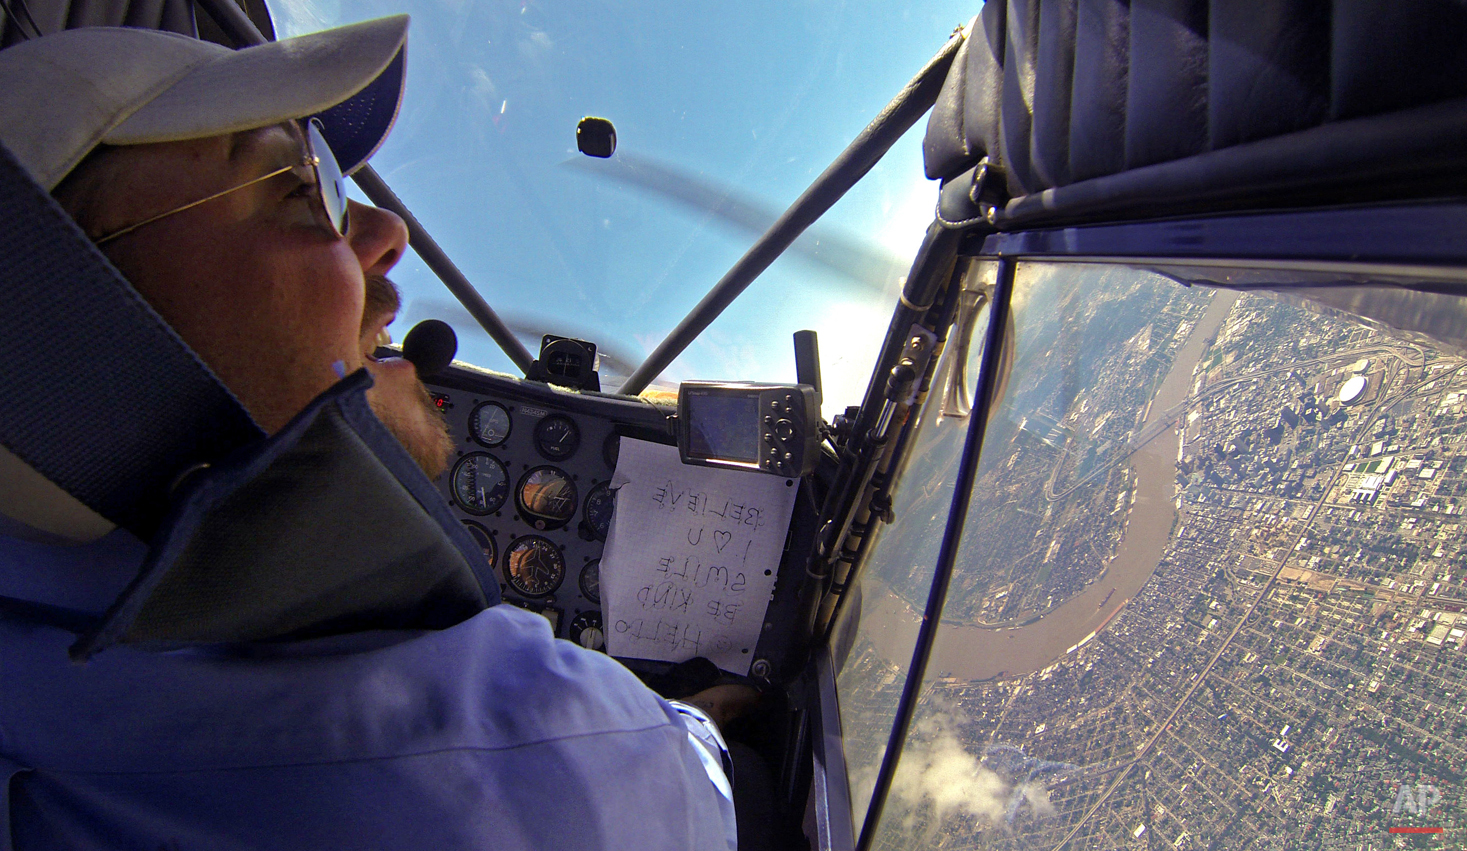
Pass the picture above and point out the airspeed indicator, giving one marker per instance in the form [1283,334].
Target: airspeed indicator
[480,483]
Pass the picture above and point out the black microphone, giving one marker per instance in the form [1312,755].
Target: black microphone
[430,346]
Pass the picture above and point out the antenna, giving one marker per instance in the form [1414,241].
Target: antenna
[807,361]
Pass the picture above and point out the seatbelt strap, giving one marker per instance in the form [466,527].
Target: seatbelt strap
[98,394]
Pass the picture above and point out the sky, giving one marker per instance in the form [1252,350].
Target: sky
[748,101]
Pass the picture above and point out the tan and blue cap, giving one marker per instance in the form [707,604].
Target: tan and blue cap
[62,95]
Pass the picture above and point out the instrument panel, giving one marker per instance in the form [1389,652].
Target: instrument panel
[530,481]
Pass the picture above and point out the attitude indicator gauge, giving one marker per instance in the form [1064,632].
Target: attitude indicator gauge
[534,566]
[480,483]
[547,497]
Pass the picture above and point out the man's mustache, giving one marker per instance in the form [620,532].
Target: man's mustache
[382,298]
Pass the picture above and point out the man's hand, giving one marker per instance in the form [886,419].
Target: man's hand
[726,703]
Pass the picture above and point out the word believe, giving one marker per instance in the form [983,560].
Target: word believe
[672,498]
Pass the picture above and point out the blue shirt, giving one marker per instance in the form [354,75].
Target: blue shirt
[487,735]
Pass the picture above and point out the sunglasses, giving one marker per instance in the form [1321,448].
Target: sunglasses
[330,183]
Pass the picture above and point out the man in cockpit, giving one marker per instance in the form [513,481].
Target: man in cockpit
[199,174]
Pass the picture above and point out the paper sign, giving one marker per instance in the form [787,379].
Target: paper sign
[690,562]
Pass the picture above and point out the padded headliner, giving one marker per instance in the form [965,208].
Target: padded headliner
[1105,110]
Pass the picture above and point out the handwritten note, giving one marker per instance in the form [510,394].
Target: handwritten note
[690,562]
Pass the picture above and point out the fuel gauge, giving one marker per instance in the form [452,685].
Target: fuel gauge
[557,437]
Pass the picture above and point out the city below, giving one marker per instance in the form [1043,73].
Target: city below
[1210,593]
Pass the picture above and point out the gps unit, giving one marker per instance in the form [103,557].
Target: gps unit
[773,428]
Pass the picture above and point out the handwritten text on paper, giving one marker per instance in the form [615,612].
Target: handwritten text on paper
[692,557]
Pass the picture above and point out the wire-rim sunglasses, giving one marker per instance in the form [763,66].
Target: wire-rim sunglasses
[321,161]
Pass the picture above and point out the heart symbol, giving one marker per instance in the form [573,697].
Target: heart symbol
[721,539]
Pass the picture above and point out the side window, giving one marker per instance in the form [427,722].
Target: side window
[1210,585]
[898,571]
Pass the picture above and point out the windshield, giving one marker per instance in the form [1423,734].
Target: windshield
[724,114]
[1210,589]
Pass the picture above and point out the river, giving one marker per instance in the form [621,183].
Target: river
[978,653]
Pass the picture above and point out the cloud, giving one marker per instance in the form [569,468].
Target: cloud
[939,772]
[483,87]
[1038,797]
[942,778]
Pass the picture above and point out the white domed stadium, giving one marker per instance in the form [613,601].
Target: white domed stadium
[1352,390]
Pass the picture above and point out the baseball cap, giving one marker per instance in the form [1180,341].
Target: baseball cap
[64,94]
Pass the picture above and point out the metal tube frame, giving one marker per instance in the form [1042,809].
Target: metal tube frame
[939,320]
[910,104]
[946,557]
[859,455]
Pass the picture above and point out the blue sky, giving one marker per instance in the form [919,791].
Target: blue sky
[752,98]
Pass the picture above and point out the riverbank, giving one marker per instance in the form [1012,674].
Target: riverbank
[968,652]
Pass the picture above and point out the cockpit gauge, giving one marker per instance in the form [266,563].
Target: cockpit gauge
[591,580]
[489,424]
[596,521]
[547,498]
[485,541]
[557,437]
[534,566]
[586,630]
[549,613]
[480,483]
